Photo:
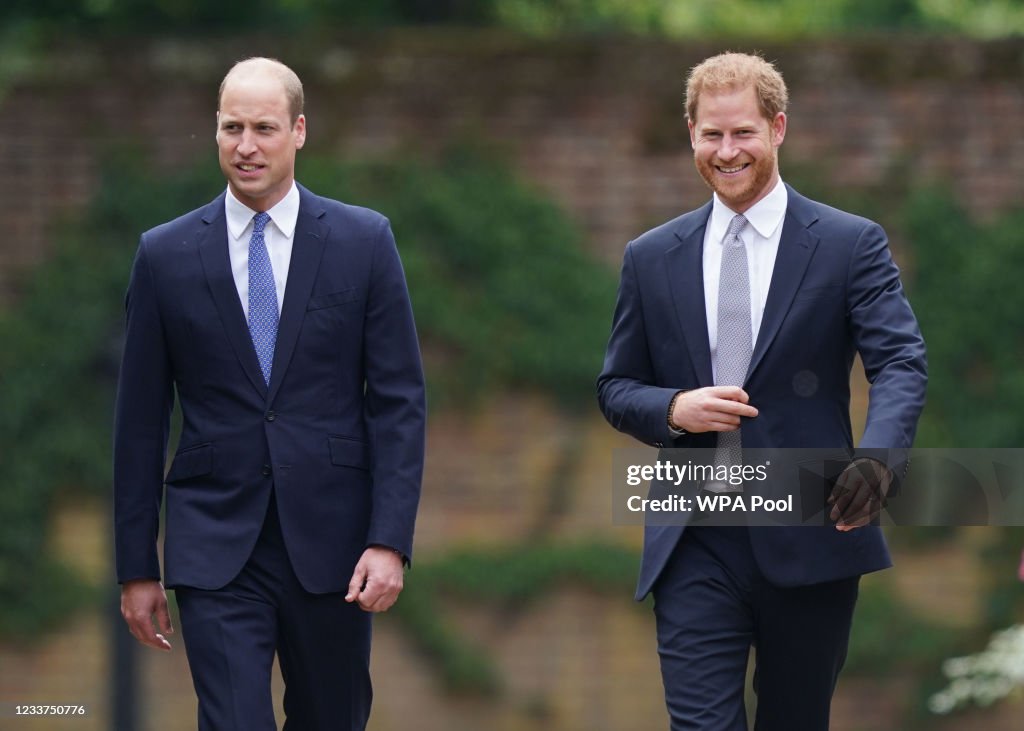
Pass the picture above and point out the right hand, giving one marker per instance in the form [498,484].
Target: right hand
[142,600]
[713,408]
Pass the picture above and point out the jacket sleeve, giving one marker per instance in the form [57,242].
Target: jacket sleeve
[891,347]
[141,427]
[395,403]
[627,390]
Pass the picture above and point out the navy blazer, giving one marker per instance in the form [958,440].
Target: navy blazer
[338,434]
[835,291]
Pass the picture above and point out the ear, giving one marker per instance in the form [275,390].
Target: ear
[300,131]
[216,132]
[693,138]
[779,129]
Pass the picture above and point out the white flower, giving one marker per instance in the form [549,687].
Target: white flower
[985,677]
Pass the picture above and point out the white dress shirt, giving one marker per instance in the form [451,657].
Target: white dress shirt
[278,235]
[761,236]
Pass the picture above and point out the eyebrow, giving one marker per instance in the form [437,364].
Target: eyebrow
[715,128]
[226,119]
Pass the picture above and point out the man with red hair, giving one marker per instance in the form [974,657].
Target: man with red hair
[736,326]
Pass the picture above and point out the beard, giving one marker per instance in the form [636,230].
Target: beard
[742,192]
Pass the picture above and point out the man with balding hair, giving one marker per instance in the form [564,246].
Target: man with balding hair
[282,322]
[736,326]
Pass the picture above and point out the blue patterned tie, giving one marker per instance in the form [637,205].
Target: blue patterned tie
[263,314]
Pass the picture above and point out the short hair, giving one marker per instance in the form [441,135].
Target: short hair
[288,78]
[737,71]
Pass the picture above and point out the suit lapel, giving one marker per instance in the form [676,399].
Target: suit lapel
[213,251]
[685,272]
[796,246]
[307,250]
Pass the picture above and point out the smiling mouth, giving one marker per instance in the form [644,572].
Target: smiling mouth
[248,167]
[731,169]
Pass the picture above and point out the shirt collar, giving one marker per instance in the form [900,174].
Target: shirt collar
[765,216]
[284,214]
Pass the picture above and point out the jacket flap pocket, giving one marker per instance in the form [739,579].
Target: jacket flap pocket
[192,462]
[347,452]
[814,293]
[333,299]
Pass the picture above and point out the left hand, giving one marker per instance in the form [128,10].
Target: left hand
[859,494]
[377,579]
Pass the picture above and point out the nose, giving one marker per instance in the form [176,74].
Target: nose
[726,150]
[247,143]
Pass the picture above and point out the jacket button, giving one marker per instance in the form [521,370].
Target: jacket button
[266,471]
[271,416]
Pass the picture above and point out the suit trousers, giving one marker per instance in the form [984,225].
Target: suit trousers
[231,635]
[712,604]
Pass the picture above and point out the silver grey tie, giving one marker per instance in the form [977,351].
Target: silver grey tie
[734,338]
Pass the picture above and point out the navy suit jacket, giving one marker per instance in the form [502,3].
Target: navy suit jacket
[835,291]
[338,434]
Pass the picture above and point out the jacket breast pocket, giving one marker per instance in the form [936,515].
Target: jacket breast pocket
[812,294]
[190,463]
[334,299]
[348,452]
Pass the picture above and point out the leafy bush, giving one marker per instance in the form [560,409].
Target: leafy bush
[694,19]
[969,300]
